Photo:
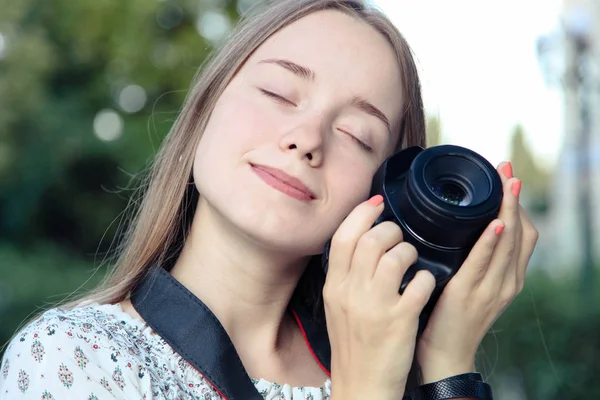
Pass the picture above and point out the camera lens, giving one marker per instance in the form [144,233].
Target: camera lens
[451,192]
[447,195]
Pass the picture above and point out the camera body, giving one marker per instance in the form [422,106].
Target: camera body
[442,198]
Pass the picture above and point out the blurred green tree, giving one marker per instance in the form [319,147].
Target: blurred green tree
[89,90]
[544,346]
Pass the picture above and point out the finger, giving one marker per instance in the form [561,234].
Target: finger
[391,268]
[343,242]
[509,247]
[509,286]
[371,246]
[475,267]
[505,171]
[417,293]
[505,251]
[529,241]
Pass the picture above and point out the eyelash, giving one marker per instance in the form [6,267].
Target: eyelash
[362,144]
[283,100]
[277,97]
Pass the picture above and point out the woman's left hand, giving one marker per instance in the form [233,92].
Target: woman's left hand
[487,282]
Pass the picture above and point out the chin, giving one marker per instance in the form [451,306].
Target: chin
[279,231]
[257,212]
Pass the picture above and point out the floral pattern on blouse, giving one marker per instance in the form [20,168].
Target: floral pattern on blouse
[100,352]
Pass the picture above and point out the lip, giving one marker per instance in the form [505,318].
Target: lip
[283,182]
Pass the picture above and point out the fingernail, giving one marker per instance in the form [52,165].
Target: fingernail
[375,200]
[516,188]
[499,229]
[507,170]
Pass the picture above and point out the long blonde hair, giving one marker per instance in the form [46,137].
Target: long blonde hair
[157,231]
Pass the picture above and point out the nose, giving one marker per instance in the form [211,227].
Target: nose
[307,141]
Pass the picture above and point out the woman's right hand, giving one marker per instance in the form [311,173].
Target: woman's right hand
[372,329]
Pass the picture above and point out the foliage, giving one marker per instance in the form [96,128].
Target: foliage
[63,62]
[547,341]
[37,279]
[61,185]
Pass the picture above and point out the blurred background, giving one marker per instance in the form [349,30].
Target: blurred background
[88,89]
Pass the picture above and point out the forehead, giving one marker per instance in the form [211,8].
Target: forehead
[346,54]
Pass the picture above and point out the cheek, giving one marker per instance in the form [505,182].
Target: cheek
[235,121]
[347,189]
[236,126]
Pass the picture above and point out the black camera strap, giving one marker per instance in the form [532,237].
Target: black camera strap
[196,334]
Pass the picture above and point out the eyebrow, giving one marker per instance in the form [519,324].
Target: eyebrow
[309,75]
[299,70]
[370,109]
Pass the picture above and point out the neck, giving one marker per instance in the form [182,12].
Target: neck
[246,285]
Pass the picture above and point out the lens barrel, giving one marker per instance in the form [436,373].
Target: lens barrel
[449,195]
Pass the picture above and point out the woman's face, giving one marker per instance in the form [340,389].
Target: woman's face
[294,140]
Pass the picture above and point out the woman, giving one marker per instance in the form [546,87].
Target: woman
[272,155]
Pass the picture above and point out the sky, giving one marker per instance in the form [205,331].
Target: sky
[480,72]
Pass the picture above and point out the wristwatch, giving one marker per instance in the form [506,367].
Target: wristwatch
[470,385]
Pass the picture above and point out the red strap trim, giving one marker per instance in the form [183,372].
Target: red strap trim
[305,341]
[308,344]
[210,383]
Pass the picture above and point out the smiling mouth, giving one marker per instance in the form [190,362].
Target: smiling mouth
[283,182]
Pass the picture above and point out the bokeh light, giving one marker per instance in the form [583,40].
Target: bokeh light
[132,98]
[108,125]
[213,25]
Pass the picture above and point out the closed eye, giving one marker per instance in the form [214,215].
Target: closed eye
[283,100]
[362,144]
[277,97]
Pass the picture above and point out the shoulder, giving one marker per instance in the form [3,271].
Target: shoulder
[91,328]
[77,351]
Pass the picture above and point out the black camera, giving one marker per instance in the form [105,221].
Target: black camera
[442,198]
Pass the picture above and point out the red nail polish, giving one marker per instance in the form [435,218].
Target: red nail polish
[376,200]
[507,170]
[516,188]
[499,229]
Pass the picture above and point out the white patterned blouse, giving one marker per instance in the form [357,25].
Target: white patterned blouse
[100,352]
